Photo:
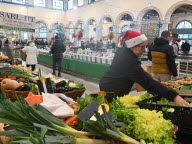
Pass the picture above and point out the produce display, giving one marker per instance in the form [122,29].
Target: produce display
[172,85]
[54,118]
[15,74]
[8,84]
[67,85]
[35,124]
[186,80]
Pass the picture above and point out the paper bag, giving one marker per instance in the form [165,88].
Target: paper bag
[146,68]
[56,106]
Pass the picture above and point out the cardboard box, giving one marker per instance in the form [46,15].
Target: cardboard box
[147,69]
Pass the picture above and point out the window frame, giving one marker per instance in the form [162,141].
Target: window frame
[68,4]
[90,1]
[44,4]
[54,4]
[182,22]
[15,1]
[78,2]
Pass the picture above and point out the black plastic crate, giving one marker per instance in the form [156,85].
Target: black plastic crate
[182,116]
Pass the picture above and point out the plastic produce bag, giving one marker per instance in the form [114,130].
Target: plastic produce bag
[56,106]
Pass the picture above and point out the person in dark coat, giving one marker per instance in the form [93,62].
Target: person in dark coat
[185,47]
[126,69]
[163,59]
[7,51]
[113,45]
[0,44]
[57,49]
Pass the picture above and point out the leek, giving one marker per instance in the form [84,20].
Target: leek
[106,129]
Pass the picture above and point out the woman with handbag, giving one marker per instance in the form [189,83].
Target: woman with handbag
[31,52]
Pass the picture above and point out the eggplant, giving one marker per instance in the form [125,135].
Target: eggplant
[24,87]
[66,89]
[63,89]
[60,90]
[31,81]
[61,84]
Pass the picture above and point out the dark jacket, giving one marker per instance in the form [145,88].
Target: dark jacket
[125,71]
[58,47]
[162,46]
[185,46]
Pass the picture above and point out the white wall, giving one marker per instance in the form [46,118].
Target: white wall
[49,16]
[136,8]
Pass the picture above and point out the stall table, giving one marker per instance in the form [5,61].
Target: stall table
[78,66]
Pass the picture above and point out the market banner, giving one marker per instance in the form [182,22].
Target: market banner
[17,22]
[12,36]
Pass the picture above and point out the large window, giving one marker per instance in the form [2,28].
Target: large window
[91,1]
[184,34]
[125,28]
[149,24]
[19,1]
[184,25]
[58,4]
[70,4]
[40,3]
[80,2]
[41,29]
[126,17]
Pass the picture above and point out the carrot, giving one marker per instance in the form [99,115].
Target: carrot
[74,106]
[71,119]
[70,102]
[75,122]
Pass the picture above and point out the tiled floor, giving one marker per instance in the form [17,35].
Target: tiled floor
[91,87]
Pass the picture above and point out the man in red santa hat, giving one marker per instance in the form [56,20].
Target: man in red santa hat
[126,69]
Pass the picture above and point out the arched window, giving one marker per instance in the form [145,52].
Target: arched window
[184,34]
[184,25]
[126,17]
[107,20]
[91,22]
[149,24]
[41,29]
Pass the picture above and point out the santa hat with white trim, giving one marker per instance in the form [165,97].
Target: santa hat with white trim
[132,38]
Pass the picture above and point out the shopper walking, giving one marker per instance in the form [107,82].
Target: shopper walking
[31,52]
[185,47]
[7,51]
[175,48]
[126,70]
[57,49]
[162,57]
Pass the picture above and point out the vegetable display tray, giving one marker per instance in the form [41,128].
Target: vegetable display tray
[12,95]
[182,116]
[74,94]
